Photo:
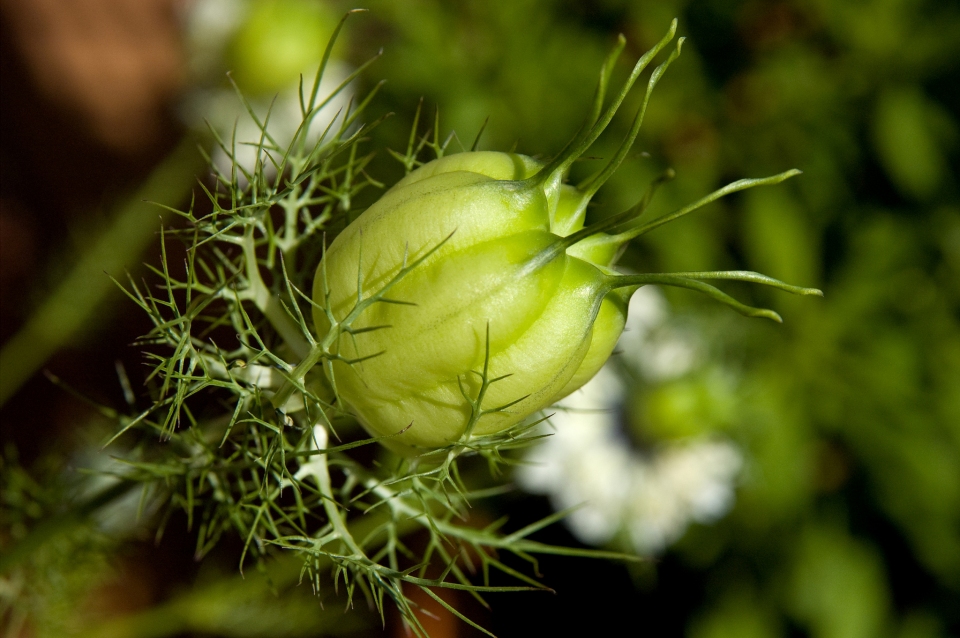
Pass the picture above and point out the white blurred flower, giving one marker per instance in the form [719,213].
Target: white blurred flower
[226,114]
[210,27]
[207,29]
[589,461]
[653,346]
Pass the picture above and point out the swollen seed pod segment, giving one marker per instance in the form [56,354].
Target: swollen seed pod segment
[513,303]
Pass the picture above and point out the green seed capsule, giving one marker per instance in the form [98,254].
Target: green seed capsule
[501,266]
[510,283]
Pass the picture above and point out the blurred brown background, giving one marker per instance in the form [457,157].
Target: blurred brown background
[88,88]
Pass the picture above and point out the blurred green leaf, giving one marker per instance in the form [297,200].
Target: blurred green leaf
[838,588]
[907,142]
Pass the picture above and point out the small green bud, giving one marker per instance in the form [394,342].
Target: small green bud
[277,41]
[514,305]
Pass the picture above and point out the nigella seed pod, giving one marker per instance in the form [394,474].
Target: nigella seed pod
[470,295]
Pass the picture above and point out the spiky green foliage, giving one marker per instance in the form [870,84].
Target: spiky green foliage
[238,436]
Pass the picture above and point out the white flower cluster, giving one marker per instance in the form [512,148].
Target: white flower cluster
[589,463]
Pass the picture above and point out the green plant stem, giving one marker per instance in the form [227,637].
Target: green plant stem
[320,471]
[72,304]
[269,304]
[313,357]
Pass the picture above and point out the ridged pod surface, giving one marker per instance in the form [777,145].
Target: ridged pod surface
[552,320]
[510,303]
